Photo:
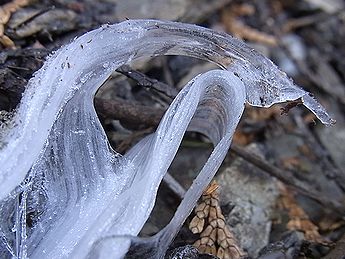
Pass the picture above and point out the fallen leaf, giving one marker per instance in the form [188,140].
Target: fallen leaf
[299,219]
[6,11]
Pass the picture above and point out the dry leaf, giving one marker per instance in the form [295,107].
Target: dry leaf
[241,138]
[5,14]
[291,163]
[299,220]
[258,115]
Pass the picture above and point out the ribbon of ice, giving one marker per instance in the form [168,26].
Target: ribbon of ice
[65,193]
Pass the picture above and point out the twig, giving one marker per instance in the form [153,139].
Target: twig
[286,177]
[145,81]
[296,23]
[321,153]
[174,185]
[131,114]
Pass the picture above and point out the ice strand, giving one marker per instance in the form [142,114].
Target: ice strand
[219,97]
[76,188]
[97,53]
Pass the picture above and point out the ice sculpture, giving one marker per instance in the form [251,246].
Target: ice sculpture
[65,193]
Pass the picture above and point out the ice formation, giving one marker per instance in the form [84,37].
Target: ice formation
[65,193]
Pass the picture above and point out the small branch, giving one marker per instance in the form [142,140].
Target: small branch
[286,177]
[145,81]
[128,112]
[174,185]
[321,153]
[297,23]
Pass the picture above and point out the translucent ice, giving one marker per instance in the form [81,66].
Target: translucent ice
[65,193]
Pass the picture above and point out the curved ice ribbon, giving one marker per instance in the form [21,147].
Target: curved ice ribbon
[76,187]
[214,100]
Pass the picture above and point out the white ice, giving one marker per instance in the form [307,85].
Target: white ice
[56,164]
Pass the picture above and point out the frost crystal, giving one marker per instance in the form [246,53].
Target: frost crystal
[65,193]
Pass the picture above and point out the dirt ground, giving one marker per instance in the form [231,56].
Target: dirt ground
[282,186]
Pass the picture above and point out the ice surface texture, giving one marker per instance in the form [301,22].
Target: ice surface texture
[65,193]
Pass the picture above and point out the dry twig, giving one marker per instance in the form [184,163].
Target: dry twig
[295,23]
[128,112]
[148,82]
[240,30]
[287,178]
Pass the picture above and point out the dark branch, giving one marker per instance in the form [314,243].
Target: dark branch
[132,115]
[145,81]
